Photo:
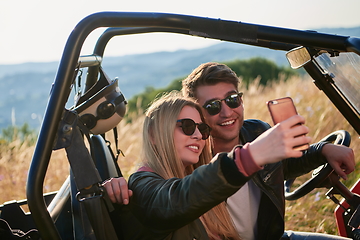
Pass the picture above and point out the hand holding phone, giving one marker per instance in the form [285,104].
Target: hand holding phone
[282,109]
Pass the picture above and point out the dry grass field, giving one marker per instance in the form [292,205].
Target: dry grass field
[311,213]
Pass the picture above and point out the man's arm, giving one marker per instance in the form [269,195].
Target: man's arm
[341,159]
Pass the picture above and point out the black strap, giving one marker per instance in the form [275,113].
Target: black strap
[90,192]
[81,162]
[118,151]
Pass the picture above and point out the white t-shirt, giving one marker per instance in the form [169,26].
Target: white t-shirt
[243,207]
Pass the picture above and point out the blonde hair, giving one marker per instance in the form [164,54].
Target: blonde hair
[158,154]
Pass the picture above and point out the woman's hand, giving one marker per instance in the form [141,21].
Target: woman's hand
[117,189]
[278,142]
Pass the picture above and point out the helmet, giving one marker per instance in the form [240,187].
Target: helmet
[103,106]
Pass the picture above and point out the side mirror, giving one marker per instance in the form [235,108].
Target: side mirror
[298,57]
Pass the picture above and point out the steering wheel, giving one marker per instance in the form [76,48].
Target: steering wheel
[340,137]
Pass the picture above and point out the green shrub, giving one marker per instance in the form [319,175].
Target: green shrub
[247,70]
[23,133]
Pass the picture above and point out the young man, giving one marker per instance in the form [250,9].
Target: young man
[258,208]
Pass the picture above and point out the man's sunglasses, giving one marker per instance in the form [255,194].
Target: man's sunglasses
[188,126]
[214,107]
[104,111]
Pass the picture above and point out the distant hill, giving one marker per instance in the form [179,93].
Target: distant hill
[25,87]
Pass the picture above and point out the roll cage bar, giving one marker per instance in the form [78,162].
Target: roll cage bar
[123,23]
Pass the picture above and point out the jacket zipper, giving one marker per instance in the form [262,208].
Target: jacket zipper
[271,172]
[269,193]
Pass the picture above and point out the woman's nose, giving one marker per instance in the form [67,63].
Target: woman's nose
[197,134]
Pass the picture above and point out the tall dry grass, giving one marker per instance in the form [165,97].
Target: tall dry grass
[311,213]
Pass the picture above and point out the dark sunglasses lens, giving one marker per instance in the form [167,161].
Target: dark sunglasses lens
[188,126]
[105,110]
[213,107]
[89,120]
[233,101]
[204,130]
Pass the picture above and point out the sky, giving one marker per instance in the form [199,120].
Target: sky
[37,30]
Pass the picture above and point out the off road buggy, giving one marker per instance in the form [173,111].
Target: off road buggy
[80,209]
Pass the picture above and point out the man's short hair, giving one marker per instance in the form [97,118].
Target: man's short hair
[209,73]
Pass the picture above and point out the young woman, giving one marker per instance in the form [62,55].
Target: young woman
[180,192]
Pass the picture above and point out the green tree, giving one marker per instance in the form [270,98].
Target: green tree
[267,70]
[22,133]
[141,101]
[248,70]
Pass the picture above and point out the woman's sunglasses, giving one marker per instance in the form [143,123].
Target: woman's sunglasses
[233,101]
[188,126]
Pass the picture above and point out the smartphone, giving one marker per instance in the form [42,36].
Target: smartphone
[280,110]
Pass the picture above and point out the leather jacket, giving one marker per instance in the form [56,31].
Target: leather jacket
[270,180]
[170,209]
